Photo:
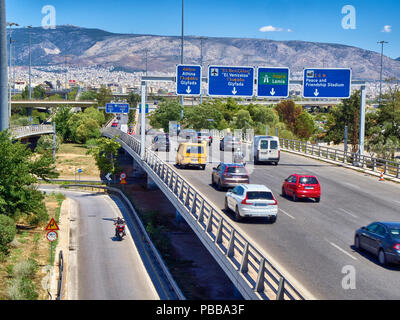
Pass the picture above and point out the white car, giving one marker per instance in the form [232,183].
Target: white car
[251,200]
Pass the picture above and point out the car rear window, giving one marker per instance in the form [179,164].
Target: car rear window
[308,180]
[259,195]
[273,144]
[236,170]
[264,144]
[194,150]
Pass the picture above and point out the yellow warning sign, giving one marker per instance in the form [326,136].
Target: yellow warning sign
[52,225]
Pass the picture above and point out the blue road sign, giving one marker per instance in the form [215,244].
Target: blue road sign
[117,108]
[230,81]
[326,83]
[273,82]
[188,80]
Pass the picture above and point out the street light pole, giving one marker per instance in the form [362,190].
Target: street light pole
[380,78]
[201,64]
[4,118]
[182,36]
[30,63]
[10,24]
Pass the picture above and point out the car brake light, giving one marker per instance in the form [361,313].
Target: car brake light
[397,246]
[244,201]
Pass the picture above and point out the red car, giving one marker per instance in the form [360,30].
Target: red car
[302,186]
[114,124]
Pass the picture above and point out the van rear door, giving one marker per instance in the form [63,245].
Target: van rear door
[273,149]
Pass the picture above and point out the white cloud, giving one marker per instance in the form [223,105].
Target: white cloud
[387,29]
[273,29]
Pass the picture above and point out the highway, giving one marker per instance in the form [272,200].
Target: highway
[313,241]
[106,269]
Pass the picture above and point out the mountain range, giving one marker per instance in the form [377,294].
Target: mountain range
[82,46]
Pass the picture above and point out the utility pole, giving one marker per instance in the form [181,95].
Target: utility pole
[380,78]
[30,63]
[201,64]
[10,24]
[182,36]
[4,117]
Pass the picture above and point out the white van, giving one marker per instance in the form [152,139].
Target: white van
[266,149]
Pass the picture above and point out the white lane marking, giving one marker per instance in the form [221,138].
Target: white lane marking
[341,250]
[349,213]
[290,216]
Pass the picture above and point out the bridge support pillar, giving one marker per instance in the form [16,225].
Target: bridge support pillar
[150,185]
[137,170]
[178,217]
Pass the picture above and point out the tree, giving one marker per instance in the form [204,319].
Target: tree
[19,173]
[39,92]
[61,119]
[104,96]
[105,153]
[243,120]
[289,112]
[345,114]
[304,126]
[166,112]
[88,96]
[204,116]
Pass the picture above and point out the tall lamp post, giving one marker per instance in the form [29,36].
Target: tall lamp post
[182,36]
[201,64]
[4,117]
[30,63]
[10,24]
[380,78]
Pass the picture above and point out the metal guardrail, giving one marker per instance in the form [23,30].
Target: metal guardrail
[251,272]
[171,291]
[387,167]
[21,132]
[378,165]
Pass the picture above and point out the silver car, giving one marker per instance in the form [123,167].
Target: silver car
[230,143]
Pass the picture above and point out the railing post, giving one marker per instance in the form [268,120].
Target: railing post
[201,212]
[260,277]
[230,250]
[218,238]
[245,259]
[209,222]
[281,289]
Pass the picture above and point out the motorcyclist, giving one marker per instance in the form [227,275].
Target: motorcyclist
[119,223]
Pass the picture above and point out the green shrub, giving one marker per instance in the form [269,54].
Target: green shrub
[8,231]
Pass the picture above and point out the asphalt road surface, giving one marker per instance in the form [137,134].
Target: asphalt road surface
[107,269]
[312,242]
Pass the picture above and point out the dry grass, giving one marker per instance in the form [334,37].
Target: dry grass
[70,158]
[29,244]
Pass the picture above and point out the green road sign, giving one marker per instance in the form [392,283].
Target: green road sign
[273,78]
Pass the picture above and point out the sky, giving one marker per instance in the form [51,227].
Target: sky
[360,23]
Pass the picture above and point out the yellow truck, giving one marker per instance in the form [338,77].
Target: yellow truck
[191,154]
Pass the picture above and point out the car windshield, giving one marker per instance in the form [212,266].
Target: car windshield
[236,170]
[308,180]
[395,232]
[194,150]
[259,195]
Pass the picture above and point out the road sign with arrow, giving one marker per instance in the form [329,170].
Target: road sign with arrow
[273,82]
[225,81]
[327,83]
[188,80]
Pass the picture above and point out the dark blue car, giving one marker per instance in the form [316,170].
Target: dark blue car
[382,239]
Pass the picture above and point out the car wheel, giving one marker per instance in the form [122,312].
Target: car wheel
[276,163]
[273,219]
[226,207]
[203,167]
[294,198]
[382,257]
[219,185]
[318,199]
[212,181]
[237,214]
[357,243]
[283,192]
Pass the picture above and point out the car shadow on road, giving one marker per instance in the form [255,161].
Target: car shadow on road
[373,259]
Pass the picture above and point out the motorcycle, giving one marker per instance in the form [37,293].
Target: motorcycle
[119,231]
